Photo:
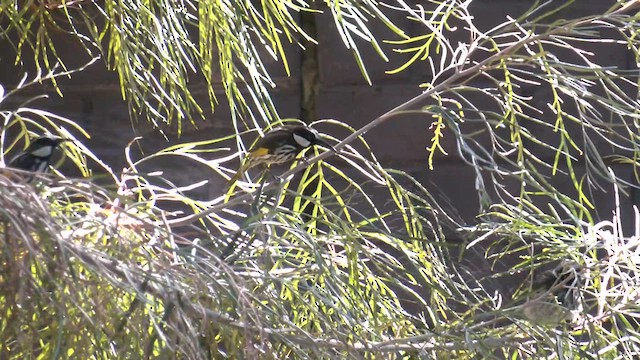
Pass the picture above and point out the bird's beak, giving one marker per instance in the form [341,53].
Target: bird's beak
[324,143]
[63,140]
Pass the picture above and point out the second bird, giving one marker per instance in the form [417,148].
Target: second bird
[37,156]
[280,145]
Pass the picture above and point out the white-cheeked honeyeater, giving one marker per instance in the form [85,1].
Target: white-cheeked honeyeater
[280,145]
[37,157]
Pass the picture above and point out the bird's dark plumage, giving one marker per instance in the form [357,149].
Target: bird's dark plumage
[280,145]
[37,156]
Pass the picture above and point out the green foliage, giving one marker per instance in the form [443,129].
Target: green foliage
[338,257]
[150,45]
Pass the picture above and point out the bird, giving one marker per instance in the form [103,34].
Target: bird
[37,157]
[280,145]
[556,294]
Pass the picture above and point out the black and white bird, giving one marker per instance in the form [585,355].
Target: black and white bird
[37,157]
[280,145]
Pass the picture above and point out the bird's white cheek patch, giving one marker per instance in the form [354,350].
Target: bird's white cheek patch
[301,140]
[43,151]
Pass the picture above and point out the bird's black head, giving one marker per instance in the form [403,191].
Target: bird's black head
[44,146]
[305,137]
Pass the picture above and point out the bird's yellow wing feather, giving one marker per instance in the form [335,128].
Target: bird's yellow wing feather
[261,151]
